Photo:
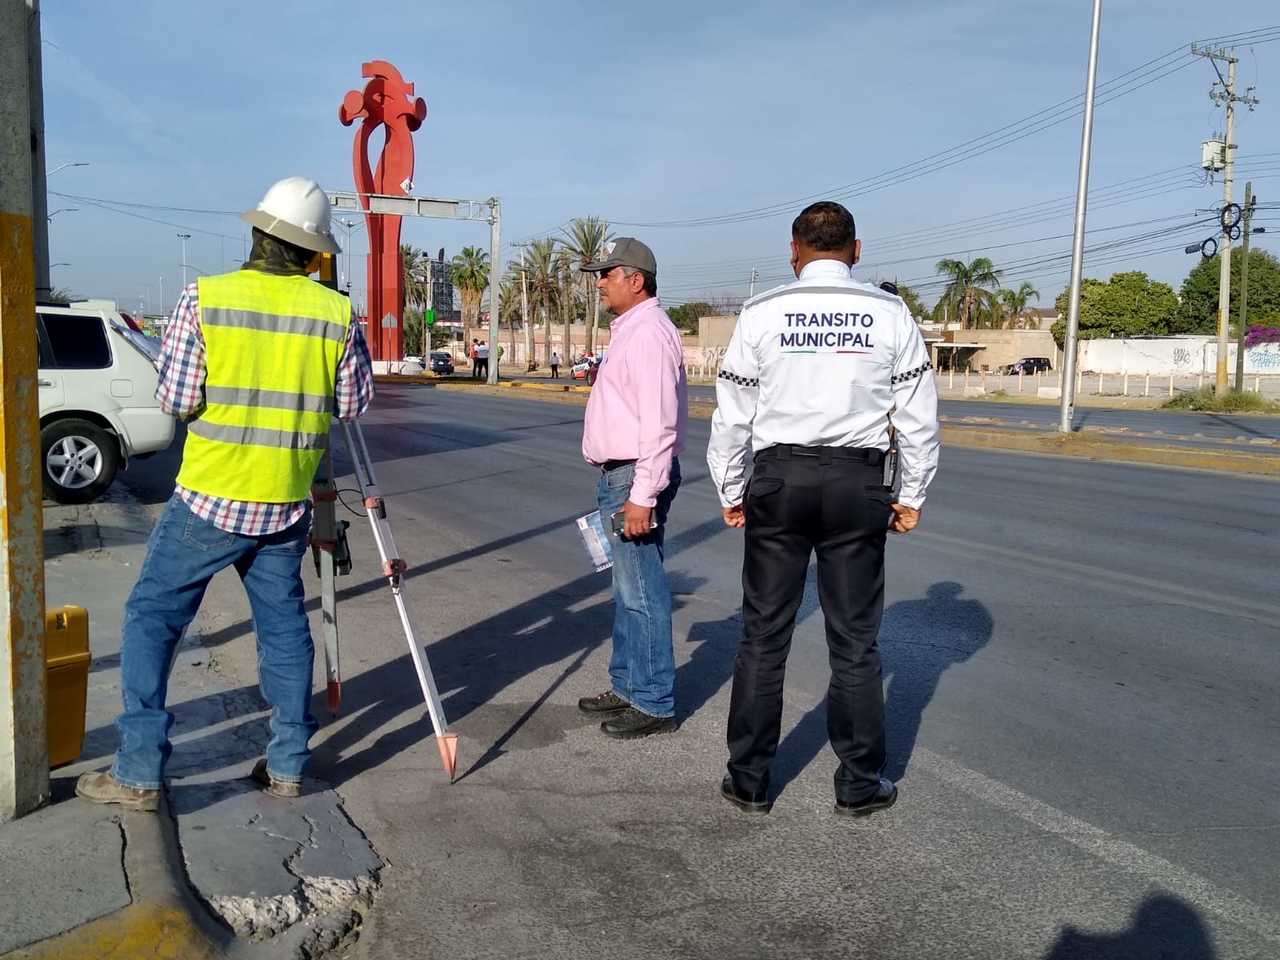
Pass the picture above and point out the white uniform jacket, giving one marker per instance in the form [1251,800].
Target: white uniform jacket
[825,361]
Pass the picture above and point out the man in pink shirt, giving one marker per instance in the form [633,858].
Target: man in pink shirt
[634,432]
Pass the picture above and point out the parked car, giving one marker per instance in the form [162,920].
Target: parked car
[585,369]
[1028,365]
[416,359]
[442,363]
[97,380]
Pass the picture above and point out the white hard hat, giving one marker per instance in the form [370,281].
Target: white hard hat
[296,210]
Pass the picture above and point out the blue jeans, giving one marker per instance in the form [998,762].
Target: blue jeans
[642,669]
[183,555]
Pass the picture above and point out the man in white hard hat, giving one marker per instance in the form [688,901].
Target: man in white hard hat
[257,361]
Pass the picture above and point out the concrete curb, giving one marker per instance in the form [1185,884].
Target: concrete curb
[164,919]
[1080,445]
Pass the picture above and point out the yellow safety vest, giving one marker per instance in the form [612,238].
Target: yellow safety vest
[272,348]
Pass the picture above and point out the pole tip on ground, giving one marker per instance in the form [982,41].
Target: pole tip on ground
[448,744]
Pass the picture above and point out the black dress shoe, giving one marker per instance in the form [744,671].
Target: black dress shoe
[885,796]
[746,802]
[631,724]
[604,703]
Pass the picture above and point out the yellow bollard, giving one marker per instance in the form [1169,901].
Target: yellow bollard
[66,664]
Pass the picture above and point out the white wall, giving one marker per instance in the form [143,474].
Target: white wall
[1177,355]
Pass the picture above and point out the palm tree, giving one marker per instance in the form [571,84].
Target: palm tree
[469,271]
[544,288]
[509,305]
[967,287]
[566,278]
[415,266]
[585,239]
[1015,301]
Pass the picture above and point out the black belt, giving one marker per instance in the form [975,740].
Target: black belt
[615,464]
[785,451]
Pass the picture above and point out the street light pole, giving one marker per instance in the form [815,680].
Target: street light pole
[184,237]
[1067,400]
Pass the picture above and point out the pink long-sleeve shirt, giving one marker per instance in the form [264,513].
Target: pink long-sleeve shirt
[639,406]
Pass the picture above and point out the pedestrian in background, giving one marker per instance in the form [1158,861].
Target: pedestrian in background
[254,361]
[473,353]
[482,358]
[633,433]
[815,375]
[555,365]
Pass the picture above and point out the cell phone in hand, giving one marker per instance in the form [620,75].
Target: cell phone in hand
[618,523]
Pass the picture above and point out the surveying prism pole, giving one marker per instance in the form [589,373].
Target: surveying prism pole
[393,568]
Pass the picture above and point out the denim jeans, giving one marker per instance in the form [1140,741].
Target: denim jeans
[183,555]
[642,670]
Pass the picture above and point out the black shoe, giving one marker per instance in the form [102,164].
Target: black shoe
[746,802]
[885,796]
[632,724]
[607,702]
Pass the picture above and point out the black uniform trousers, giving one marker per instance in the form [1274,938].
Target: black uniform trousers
[800,500]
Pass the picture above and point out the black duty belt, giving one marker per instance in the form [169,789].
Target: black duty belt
[785,451]
[615,464]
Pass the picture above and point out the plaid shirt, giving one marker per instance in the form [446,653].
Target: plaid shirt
[181,393]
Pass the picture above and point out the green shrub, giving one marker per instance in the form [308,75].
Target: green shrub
[1235,401]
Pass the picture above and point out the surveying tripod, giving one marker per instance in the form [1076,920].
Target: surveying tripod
[333,558]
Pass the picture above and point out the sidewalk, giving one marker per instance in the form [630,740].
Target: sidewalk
[223,868]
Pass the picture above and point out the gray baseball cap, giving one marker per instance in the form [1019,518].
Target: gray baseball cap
[624,252]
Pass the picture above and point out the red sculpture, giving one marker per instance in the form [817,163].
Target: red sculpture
[385,101]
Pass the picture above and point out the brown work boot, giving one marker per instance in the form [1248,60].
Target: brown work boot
[284,789]
[102,787]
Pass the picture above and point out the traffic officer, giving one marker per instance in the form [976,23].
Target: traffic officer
[816,373]
[257,361]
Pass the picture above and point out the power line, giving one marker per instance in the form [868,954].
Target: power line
[1128,82]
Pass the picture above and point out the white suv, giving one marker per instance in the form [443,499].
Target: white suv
[97,381]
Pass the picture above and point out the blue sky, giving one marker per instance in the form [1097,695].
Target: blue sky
[660,113]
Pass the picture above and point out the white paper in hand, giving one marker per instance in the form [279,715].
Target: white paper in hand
[596,540]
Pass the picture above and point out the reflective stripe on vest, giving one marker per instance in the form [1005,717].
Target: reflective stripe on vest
[272,348]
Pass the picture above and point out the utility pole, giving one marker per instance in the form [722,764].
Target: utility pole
[162,305]
[495,272]
[1067,398]
[755,275]
[24,760]
[39,196]
[1227,97]
[1247,220]
[184,237]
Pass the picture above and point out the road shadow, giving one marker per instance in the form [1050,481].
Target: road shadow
[472,667]
[710,665]
[1233,423]
[1163,928]
[919,640]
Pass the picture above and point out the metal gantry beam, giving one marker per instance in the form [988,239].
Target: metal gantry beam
[440,208]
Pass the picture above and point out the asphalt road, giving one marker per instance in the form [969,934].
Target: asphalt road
[1202,429]
[1080,664]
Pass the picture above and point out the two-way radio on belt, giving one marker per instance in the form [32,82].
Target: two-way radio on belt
[333,558]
